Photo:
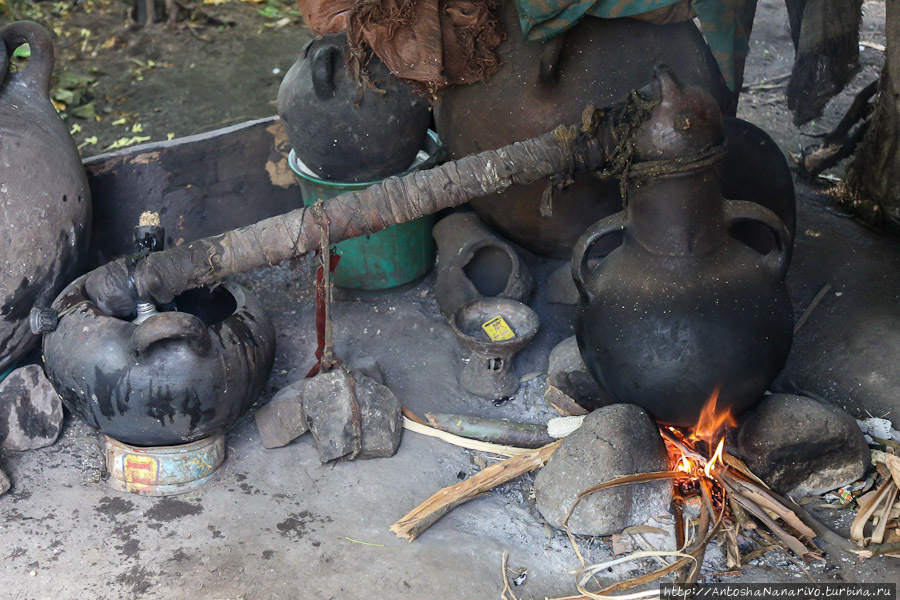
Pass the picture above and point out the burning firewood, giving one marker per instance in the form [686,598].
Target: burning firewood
[734,504]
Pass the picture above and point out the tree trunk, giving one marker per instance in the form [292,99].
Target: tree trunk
[873,179]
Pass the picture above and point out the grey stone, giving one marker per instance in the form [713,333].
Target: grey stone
[282,419]
[4,483]
[31,411]
[322,404]
[329,413]
[568,373]
[382,418]
[327,404]
[801,446]
[613,441]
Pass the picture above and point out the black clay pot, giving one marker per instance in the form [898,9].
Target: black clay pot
[686,304]
[45,203]
[174,378]
[340,135]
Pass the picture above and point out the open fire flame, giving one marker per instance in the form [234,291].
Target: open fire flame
[689,449]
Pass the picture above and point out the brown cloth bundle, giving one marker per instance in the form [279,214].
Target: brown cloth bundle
[432,43]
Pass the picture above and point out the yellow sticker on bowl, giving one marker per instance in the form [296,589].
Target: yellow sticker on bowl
[498,330]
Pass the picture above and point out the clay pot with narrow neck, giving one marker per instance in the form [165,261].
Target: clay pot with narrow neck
[45,202]
[683,309]
[341,132]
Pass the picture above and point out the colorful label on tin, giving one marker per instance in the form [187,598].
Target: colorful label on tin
[498,329]
[141,472]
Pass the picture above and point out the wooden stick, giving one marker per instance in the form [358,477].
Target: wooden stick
[702,529]
[495,431]
[760,496]
[859,523]
[822,532]
[463,442]
[506,587]
[678,564]
[431,510]
[811,307]
[412,416]
[160,276]
[759,552]
[879,550]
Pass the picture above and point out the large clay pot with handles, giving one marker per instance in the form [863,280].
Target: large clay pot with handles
[45,202]
[686,306]
[544,84]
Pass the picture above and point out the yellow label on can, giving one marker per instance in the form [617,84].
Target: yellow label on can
[498,329]
[141,472]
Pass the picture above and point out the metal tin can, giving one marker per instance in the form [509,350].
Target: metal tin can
[163,470]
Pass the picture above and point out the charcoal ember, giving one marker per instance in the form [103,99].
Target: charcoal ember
[613,441]
[31,411]
[568,373]
[800,446]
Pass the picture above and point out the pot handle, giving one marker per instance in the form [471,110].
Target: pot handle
[171,326]
[742,210]
[611,224]
[36,74]
[324,61]
[4,62]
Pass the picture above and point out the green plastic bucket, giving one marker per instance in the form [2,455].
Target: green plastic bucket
[391,257]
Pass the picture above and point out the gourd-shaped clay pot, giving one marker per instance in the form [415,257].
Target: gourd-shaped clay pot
[683,309]
[340,133]
[176,377]
[45,203]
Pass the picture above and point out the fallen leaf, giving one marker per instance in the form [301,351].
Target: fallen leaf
[126,141]
[85,111]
